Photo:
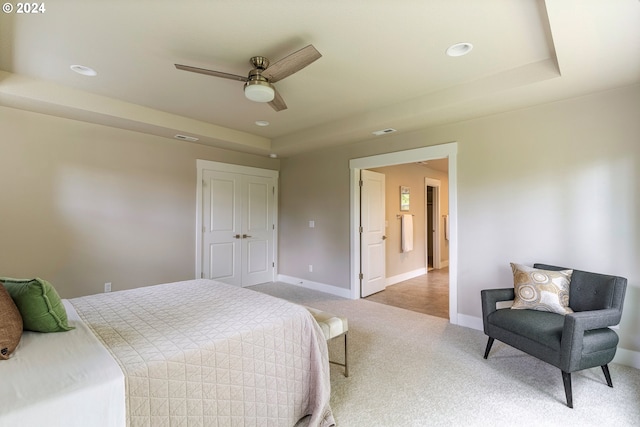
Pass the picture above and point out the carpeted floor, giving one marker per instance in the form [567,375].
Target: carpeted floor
[412,369]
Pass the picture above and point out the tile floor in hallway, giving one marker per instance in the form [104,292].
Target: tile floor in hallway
[428,294]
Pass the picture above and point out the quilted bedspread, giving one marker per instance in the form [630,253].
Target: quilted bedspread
[203,353]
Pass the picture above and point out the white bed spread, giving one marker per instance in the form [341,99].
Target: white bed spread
[61,379]
[204,353]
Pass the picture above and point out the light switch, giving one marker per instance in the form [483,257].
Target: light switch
[312,224]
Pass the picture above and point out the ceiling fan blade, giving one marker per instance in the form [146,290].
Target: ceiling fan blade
[291,64]
[211,72]
[278,103]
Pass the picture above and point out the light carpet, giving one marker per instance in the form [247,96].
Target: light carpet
[412,369]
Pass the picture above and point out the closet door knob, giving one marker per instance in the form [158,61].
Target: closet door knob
[244,236]
[237,236]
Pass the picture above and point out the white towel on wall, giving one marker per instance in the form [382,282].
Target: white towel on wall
[446,227]
[407,233]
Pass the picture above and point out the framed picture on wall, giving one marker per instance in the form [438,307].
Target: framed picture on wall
[404,198]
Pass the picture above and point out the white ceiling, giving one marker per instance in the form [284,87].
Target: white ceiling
[383,63]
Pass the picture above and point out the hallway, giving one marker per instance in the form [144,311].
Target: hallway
[428,294]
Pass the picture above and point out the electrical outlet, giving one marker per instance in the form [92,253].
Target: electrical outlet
[310,268]
[107,287]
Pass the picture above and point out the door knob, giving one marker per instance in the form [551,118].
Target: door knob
[237,236]
[384,237]
[244,236]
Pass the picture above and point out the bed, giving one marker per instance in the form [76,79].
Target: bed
[197,352]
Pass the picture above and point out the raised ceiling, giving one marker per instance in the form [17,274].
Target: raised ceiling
[383,63]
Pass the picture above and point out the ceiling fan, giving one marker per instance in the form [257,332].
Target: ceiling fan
[258,85]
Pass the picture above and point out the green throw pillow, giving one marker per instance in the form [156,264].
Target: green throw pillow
[39,304]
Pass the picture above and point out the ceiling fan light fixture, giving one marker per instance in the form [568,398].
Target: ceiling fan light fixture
[259,91]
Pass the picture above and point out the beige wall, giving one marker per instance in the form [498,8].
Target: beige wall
[410,175]
[83,204]
[315,188]
[557,183]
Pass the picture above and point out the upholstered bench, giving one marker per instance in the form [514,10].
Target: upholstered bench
[332,327]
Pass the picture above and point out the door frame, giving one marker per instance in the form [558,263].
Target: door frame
[449,151]
[202,165]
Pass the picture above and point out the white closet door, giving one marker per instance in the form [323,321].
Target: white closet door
[257,226]
[222,227]
[238,228]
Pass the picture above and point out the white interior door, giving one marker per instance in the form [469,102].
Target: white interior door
[372,221]
[222,227]
[258,228]
[238,227]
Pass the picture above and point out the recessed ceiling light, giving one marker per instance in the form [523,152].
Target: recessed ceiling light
[262,123]
[459,49]
[273,155]
[85,71]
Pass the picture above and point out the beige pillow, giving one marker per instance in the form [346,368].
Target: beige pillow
[541,290]
[10,324]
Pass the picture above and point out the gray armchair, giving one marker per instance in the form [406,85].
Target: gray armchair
[572,342]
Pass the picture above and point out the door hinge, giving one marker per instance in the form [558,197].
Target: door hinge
[361,276]
[361,230]
[202,275]
[273,190]
[361,183]
[273,264]
[273,226]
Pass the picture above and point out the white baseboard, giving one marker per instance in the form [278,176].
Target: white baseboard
[627,358]
[623,356]
[316,286]
[404,276]
[470,322]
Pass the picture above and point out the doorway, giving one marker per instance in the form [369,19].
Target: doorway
[448,151]
[433,229]
[429,227]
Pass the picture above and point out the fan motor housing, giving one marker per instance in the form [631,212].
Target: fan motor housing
[260,62]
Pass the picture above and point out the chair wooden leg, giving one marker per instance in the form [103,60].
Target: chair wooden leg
[607,374]
[488,349]
[566,379]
